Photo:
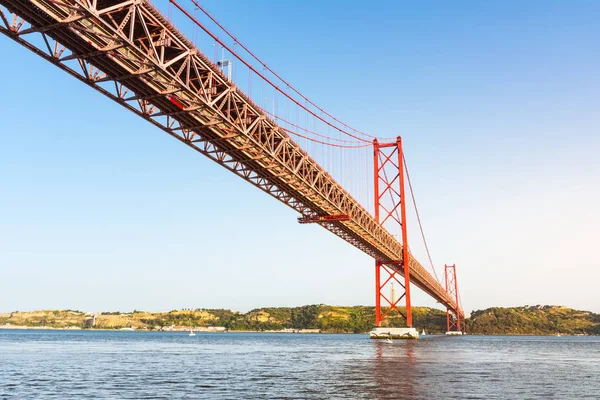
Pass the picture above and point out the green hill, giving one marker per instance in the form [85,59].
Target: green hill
[326,318]
[533,320]
[536,320]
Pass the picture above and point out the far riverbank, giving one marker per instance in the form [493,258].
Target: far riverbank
[525,320]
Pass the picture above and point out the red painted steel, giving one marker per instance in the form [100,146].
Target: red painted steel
[377,293]
[386,151]
[405,255]
[452,317]
[175,100]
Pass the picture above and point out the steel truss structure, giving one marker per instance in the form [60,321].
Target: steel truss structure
[389,156]
[452,317]
[128,51]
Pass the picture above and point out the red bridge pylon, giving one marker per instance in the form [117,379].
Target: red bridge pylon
[452,316]
[389,170]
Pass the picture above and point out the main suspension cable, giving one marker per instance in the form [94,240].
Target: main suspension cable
[276,118]
[419,219]
[341,146]
[274,73]
[223,45]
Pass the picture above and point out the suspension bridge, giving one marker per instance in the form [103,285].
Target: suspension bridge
[237,111]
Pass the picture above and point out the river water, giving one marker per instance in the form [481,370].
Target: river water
[160,365]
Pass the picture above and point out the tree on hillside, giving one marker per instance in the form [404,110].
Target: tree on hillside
[305,317]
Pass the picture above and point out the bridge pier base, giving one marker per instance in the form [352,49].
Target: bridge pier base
[394,333]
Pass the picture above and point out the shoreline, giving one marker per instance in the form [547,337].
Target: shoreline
[182,330]
[50,328]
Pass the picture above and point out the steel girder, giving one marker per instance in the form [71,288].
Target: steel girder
[130,53]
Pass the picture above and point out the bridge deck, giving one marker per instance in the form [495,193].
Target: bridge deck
[129,52]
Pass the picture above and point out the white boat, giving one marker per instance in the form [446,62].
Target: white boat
[423,333]
[192,332]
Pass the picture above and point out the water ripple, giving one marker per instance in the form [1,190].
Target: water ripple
[145,365]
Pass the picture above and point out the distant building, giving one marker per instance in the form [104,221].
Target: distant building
[89,322]
[309,331]
[212,329]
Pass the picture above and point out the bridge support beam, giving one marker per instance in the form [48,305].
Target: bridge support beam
[452,316]
[390,209]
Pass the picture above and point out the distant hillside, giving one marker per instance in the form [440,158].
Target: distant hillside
[326,318]
[537,320]
[534,320]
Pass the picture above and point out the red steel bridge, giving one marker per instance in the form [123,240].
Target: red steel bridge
[287,146]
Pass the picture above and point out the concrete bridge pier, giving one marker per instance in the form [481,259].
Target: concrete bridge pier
[394,333]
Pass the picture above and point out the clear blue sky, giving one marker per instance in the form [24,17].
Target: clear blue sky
[498,104]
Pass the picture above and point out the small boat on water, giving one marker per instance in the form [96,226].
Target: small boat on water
[192,332]
[423,333]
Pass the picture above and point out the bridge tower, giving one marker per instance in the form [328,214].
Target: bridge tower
[452,316]
[390,209]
